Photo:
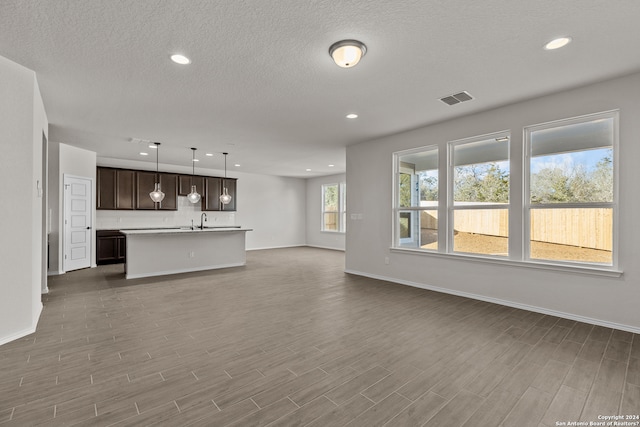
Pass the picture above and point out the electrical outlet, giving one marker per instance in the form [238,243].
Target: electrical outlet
[386,260]
[192,254]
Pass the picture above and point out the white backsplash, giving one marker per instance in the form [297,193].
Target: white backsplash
[116,219]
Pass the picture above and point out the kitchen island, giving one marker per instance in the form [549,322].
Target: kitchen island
[162,251]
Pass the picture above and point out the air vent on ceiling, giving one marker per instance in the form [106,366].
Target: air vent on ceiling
[139,141]
[457,98]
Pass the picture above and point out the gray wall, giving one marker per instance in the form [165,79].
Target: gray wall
[611,301]
[23,123]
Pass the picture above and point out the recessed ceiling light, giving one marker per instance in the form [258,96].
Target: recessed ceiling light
[237,165]
[209,154]
[352,116]
[557,43]
[308,170]
[180,59]
[144,154]
[152,146]
[331,166]
[196,160]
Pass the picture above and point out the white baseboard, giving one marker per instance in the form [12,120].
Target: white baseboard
[325,247]
[276,247]
[507,303]
[54,273]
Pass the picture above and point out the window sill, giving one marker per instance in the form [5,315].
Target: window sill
[332,232]
[538,265]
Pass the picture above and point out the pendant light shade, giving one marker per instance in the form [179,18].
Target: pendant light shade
[157,195]
[193,197]
[225,198]
[347,53]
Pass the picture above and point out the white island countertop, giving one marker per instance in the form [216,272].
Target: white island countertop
[161,251]
[181,230]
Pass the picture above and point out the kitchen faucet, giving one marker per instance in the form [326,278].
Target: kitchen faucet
[203,215]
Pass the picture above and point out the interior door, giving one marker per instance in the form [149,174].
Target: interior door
[77,223]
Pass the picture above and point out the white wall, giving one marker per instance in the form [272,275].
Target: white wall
[274,207]
[78,162]
[23,123]
[601,300]
[316,237]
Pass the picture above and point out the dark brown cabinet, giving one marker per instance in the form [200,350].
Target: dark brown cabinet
[169,186]
[129,190]
[125,189]
[145,184]
[106,198]
[111,247]
[230,185]
[213,190]
[116,188]
[186,181]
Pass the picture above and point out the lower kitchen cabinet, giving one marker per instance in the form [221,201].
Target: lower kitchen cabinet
[111,247]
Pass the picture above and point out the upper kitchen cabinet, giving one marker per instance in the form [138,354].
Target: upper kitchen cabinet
[186,181]
[129,190]
[169,186]
[106,198]
[125,189]
[116,188]
[230,185]
[213,190]
[145,184]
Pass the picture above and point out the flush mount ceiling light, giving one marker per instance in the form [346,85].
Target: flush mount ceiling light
[352,116]
[557,43]
[180,59]
[157,195]
[347,53]
[225,198]
[193,197]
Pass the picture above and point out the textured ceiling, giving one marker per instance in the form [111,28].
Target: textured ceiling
[263,87]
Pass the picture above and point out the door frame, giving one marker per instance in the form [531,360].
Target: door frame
[65,219]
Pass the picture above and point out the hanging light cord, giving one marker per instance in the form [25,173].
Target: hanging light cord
[225,165]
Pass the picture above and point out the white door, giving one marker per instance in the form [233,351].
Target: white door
[77,223]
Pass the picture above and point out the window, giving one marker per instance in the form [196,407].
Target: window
[479,195]
[417,199]
[562,206]
[570,198]
[334,208]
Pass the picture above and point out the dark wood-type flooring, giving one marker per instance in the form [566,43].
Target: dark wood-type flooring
[291,340]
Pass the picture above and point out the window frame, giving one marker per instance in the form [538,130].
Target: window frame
[341,213]
[519,206]
[527,206]
[397,209]
[451,206]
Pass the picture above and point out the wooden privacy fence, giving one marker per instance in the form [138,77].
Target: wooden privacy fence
[582,227]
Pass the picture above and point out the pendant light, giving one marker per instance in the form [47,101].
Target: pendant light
[193,197]
[157,195]
[225,198]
